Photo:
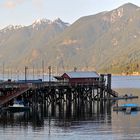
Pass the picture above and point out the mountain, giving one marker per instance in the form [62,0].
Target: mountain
[22,45]
[106,42]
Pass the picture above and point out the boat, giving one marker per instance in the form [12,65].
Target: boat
[18,106]
[127,107]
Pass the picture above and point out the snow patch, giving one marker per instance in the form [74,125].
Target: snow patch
[57,21]
[11,27]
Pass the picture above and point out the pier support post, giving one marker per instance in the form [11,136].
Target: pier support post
[102,85]
[109,84]
[109,81]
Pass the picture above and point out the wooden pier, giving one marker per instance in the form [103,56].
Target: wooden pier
[39,92]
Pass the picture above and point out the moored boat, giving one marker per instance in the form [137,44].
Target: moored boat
[17,107]
[127,107]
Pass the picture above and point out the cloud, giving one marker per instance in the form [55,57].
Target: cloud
[10,4]
[38,4]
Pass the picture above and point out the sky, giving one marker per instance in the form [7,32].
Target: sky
[25,12]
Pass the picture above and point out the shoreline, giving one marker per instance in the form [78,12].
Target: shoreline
[125,74]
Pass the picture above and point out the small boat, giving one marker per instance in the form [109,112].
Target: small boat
[127,107]
[17,107]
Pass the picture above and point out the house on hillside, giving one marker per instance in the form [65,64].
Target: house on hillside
[79,77]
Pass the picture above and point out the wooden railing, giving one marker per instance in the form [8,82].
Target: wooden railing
[6,98]
[46,84]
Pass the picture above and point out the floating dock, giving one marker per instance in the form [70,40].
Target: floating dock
[122,97]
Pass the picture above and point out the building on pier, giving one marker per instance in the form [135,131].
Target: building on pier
[79,77]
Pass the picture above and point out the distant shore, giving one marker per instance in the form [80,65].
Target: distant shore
[125,74]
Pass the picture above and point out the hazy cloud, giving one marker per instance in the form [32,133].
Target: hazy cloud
[10,4]
[38,3]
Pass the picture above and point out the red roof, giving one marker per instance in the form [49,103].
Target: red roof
[82,74]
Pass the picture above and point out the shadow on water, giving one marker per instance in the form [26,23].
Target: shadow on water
[62,115]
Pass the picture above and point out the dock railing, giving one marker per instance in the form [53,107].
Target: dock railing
[7,85]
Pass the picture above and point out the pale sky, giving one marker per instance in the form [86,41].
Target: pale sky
[24,12]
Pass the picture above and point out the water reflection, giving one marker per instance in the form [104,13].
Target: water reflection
[62,115]
[80,121]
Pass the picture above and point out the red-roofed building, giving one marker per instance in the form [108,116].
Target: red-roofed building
[80,77]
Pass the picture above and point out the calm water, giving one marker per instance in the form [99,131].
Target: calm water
[73,122]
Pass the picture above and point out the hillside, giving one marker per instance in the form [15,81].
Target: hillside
[20,46]
[106,42]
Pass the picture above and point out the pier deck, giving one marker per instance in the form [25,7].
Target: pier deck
[41,92]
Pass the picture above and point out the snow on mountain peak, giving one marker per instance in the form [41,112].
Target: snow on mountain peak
[47,21]
[40,21]
[37,23]
[15,27]
[57,21]
[11,27]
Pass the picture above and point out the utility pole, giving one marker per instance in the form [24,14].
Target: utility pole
[26,73]
[8,73]
[56,70]
[3,70]
[75,69]
[17,74]
[49,74]
[43,70]
[33,73]
[11,74]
